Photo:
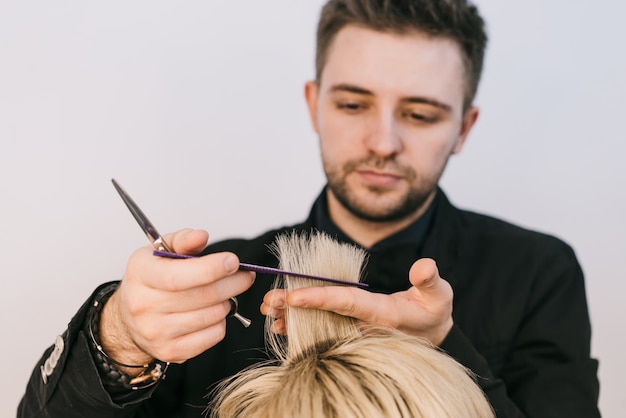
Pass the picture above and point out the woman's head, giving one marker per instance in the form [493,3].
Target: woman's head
[332,366]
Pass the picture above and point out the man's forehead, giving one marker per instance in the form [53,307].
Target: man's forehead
[411,63]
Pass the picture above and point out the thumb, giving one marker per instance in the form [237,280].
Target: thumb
[424,275]
[187,241]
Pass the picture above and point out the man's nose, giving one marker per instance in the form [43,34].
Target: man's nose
[384,138]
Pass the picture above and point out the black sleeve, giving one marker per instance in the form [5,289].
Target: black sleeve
[65,382]
[548,370]
[458,346]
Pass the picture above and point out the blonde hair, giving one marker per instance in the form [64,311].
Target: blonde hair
[334,367]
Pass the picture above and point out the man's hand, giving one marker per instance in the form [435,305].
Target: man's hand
[171,309]
[424,310]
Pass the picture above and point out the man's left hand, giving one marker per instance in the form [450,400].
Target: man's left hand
[424,310]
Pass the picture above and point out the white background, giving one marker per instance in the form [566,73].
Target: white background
[197,109]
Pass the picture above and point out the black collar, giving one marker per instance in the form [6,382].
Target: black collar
[413,235]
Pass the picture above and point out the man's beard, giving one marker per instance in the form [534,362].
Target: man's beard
[414,199]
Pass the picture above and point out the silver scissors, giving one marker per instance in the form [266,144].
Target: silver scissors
[160,245]
[163,250]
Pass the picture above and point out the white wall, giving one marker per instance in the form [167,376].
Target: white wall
[196,108]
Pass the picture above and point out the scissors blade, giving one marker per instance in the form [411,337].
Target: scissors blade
[143,221]
[164,251]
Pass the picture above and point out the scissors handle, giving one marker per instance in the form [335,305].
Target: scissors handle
[159,243]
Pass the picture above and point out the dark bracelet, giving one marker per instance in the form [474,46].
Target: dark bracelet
[111,375]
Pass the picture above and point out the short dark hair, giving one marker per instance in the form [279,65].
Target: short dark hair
[458,20]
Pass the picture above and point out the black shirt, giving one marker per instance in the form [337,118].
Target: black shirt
[390,259]
[520,312]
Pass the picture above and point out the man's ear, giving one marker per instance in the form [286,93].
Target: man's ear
[469,119]
[311,90]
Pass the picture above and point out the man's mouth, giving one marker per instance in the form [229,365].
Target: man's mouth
[378,178]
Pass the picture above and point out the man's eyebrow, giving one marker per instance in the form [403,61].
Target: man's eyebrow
[350,88]
[428,101]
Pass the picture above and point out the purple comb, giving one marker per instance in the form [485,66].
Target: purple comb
[263,269]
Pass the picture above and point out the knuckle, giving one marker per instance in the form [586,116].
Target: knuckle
[208,294]
[213,335]
[151,334]
[134,308]
[167,353]
[213,315]
[212,269]
[450,293]
[137,303]
[275,313]
[170,282]
[394,322]
[176,351]
[220,332]
[350,308]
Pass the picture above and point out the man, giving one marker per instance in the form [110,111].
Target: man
[392,101]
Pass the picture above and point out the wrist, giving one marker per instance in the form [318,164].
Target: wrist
[116,340]
[113,372]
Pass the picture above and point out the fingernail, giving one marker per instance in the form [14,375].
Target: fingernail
[230,263]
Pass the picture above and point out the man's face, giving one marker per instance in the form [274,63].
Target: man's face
[389,113]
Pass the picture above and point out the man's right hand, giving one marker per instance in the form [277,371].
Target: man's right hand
[171,309]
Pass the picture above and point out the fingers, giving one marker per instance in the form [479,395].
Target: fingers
[187,241]
[178,324]
[347,301]
[274,303]
[197,298]
[174,309]
[187,346]
[279,326]
[179,274]
[162,285]
[216,269]
[425,309]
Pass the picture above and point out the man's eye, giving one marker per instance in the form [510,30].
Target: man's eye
[420,117]
[351,107]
